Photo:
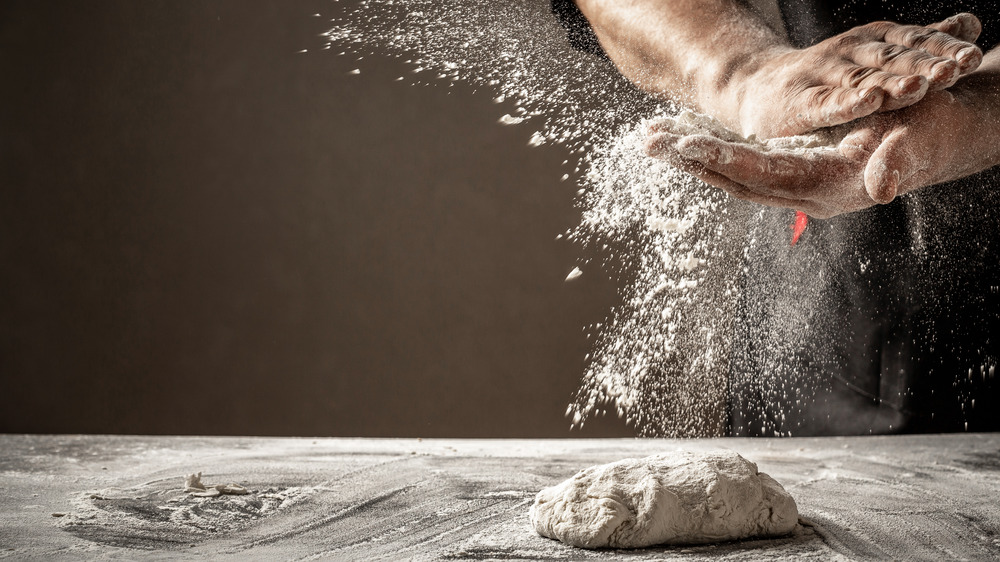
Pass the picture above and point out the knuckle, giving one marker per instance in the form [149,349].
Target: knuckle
[797,84]
[889,53]
[879,28]
[920,36]
[845,42]
[857,75]
[818,96]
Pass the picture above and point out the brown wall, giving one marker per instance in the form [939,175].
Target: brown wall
[204,231]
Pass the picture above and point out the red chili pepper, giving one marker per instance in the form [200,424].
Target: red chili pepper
[801,219]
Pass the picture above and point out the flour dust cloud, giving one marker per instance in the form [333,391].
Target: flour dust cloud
[659,360]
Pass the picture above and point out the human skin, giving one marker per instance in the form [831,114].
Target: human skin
[721,59]
[948,135]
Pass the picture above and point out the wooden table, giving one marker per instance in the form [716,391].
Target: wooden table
[121,497]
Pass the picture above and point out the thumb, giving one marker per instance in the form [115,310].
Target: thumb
[890,165]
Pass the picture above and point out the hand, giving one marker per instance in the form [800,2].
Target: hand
[948,135]
[880,66]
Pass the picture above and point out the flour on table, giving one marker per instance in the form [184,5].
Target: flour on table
[676,498]
[161,514]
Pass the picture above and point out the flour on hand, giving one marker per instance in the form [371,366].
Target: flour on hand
[676,498]
[689,123]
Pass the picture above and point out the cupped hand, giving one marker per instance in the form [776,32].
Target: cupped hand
[944,137]
[877,67]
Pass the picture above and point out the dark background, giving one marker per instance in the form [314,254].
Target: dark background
[204,231]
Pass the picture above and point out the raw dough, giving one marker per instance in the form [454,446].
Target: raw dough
[676,498]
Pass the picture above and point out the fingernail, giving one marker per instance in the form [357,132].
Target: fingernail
[891,193]
[869,97]
[967,56]
[911,84]
[944,71]
[889,188]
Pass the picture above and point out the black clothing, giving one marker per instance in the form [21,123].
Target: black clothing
[809,22]
[880,321]
[578,30]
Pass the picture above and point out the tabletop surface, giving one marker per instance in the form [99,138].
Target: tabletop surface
[928,497]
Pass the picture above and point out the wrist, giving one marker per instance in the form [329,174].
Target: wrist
[731,91]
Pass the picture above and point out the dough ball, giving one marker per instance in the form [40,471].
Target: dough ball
[676,498]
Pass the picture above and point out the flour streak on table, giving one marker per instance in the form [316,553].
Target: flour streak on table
[121,497]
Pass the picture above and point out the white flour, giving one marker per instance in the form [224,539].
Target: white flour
[165,511]
[690,123]
[659,360]
[673,243]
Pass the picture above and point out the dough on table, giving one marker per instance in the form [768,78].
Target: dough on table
[675,498]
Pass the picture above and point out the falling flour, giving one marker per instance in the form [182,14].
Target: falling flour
[662,361]
[673,244]
[669,499]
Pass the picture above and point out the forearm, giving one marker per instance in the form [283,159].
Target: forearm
[686,50]
[722,59]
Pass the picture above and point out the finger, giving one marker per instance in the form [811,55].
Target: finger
[661,126]
[826,106]
[663,147]
[940,72]
[964,27]
[752,195]
[890,166]
[859,145]
[935,43]
[747,194]
[901,91]
[773,173]
[911,89]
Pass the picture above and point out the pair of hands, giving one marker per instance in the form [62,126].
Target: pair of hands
[871,77]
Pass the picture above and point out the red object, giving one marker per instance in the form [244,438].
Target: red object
[801,219]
